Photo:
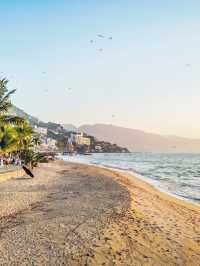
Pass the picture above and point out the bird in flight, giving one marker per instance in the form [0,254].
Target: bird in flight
[100,50]
[110,38]
[91,41]
[100,36]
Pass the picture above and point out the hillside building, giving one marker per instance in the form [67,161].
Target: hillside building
[79,139]
[40,130]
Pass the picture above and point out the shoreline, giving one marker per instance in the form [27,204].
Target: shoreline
[139,177]
[158,222]
[75,214]
[166,205]
[135,178]
[131,177]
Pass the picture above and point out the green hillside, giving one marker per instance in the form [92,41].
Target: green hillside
[14,110]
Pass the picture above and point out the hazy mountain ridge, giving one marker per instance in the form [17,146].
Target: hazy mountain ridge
[133,139]
[138,140]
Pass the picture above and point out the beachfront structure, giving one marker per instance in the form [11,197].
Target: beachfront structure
[79,139]
[83,140]
[98,148]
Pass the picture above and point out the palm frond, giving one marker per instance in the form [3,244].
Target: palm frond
[15,120]
[8,141]
[7,96]
[5,103]
[3,87]
[4,106]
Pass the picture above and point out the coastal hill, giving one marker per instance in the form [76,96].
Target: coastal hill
[132,139]
[138,140]
[61,134]
[14,110]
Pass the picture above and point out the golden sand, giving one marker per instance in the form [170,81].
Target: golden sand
[11,174]
[156,230]
[78,215]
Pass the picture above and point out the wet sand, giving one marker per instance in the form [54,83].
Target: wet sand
[73,214]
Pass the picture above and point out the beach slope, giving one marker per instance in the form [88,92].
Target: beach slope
[73,214]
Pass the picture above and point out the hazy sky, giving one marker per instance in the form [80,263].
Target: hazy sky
[147,75]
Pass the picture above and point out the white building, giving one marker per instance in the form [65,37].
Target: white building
[47,144]
[79,139]
[40,130]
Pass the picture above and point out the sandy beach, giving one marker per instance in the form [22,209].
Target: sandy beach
[73,214]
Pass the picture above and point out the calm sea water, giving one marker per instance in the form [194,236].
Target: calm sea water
[177,174]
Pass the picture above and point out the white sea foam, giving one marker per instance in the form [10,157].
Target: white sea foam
[176,174]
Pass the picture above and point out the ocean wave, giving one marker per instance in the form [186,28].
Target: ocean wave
[175,174]
[188,197]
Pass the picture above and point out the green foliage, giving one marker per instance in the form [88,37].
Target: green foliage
[3,87]
[13,120]
[16,135]
[5,104]
[8,139]
[24,136]
[31,158]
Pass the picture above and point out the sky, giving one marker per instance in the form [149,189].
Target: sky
[146,77]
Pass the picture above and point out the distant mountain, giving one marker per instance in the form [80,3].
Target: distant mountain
[132,139]
[138,140]
[61,132]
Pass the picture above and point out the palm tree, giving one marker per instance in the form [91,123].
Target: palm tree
[16,135]
[24,136]
[5,104]
[8,134]
[8,139]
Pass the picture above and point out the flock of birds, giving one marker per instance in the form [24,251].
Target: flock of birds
[92,41]
[101,37]
[99,49]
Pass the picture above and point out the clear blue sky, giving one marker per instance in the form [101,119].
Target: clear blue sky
[141,75]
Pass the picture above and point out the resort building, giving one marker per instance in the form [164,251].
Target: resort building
[98,148]
[80,139]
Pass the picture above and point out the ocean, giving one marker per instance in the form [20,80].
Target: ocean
[176,174]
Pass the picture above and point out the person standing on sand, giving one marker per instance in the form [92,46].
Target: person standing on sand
[1,162]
